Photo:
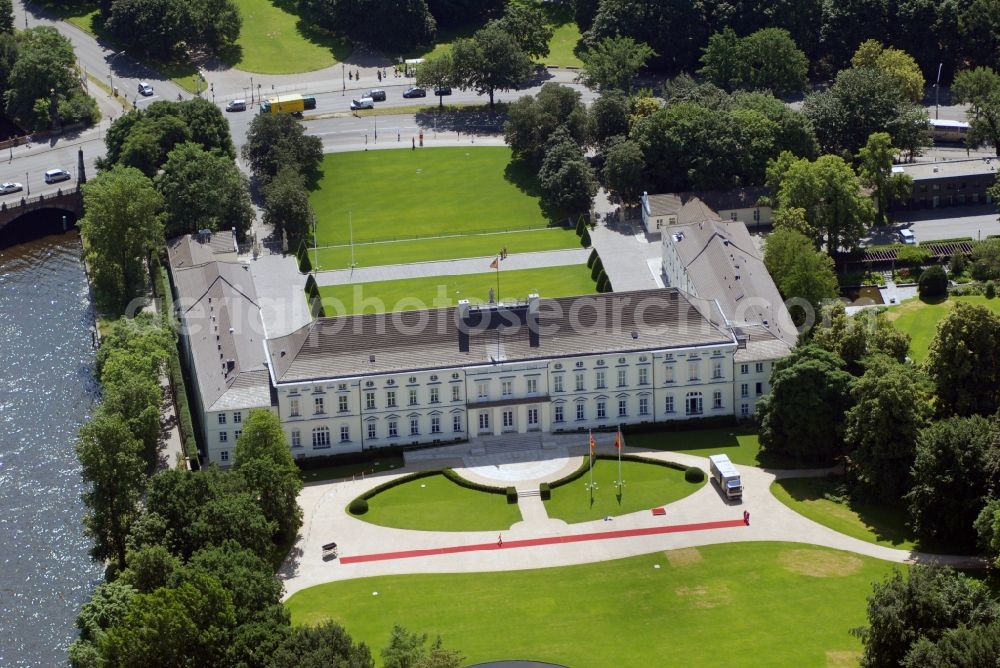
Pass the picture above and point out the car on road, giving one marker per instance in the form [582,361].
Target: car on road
[236,105]
[442,90]
[57,175]
[907,237]
[145,88]
[415,92]
[376,94]
[363,103]
[10,187]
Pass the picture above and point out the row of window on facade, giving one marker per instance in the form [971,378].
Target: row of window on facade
[237,417]
[321,436]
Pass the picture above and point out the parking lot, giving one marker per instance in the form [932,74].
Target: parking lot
[977,222]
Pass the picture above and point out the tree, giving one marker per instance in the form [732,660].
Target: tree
[531,120]
[43,79]
[217,23]
[437,73]
[933,283]
[149,568]
[980,89]
[803,416]
[394,27]
[861,102]
[959,647]
[203,190]
[676,31]
[529,27]
[951,477]
[924,605]
[898,65]
[408,650]
[248,578]
[181,627]
[326,644]
[107,607]
[986,259]
[609,116]
[828,190]
[489,61]
[978,27]
[892,403]
[566,180]
[286,204]
[987,527]
[854,338]
[121,225]
[6,17]
[766,59]
[612,63]
[278,140]
[623,169]
[137,399]
[964,362]
[799,270]
[234,516]
[110,458]
[151,27]
[875,171]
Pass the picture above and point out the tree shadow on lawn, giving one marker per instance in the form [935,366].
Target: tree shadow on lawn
[887,523]
[524,175]
[471,121]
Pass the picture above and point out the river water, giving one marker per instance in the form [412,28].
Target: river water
[47,390]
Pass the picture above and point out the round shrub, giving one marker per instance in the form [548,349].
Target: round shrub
[933,282]
[991,290]
[694,474]
[358,507]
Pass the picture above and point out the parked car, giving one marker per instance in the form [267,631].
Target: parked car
[907,237]
[145,88]
[10,187]
[363,103]
[57,175]
[376,94]
[237,105]
[442,90]
[415,92]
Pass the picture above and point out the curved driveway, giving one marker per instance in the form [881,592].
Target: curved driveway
[325,520]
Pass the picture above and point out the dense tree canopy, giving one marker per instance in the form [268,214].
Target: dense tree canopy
[286,205]
[623,169]
[566,179]
[980,89]
[395,27]
[803,416]
[531,120]
[529,27]
[800,271]
[490,60]
[868,332]
[898,65]
[437,73]
[764,60]
[875,171]
[278,140]
[167,29]
[612,63]
[964,361]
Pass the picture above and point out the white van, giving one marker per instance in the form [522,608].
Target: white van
[363,103]
[906,236]
[57,175]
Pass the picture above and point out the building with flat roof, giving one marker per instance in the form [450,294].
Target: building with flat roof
[946,183]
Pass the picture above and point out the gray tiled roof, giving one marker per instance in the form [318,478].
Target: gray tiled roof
[219,307]
[414,340]
[722,265]
[192,249]
[670,204]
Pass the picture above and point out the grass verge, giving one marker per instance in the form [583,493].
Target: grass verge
[739,443]
[749,604]
[437,504]
[646,486]
[816,499]
[410,294]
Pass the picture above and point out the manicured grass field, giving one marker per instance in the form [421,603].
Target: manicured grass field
[870,523]
[565,37]
[342,471]
[920,319]
[446,248]
[438,504]
[646,486]
[739,443]
[740,604]
[411,294]
[433,191]
[275,41]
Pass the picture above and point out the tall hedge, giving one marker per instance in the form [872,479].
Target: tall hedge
[596,269]
[592,258]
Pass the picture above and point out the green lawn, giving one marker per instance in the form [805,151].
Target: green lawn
[388,195]
[412,294]
[438,504]
[920,319]
[445,248]
[646,486]
[740,604]
[873,524]
[276,41]
[342,471]
[740,443]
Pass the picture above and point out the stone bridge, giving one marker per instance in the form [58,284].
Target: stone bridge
[68,199]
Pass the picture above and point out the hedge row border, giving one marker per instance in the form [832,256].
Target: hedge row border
[451,475]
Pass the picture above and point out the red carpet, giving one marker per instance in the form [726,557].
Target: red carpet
[532,542]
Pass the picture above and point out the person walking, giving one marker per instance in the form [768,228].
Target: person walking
[379,73]
[500,540]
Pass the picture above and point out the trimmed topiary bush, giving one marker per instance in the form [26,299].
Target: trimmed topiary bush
[545,491]
[511,495]
[585,238]
[311,288]
[581,227]
[358,507]
[694,474]
[592,258]
[933,283]
[596,270]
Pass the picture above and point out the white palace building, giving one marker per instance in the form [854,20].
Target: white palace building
[701,347]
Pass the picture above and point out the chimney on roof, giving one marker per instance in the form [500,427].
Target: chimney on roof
[532,317]
[463,331]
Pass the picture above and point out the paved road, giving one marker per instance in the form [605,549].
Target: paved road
[26,164]
[325,520]
[977,222]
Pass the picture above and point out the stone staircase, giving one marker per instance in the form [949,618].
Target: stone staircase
[507,443]
[524,493]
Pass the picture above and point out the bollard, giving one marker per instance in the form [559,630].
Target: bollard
[421,138]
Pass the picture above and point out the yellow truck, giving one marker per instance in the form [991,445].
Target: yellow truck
[287,104]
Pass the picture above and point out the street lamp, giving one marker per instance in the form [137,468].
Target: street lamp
[27,185]
[937,87]
[343,82]
[251,89]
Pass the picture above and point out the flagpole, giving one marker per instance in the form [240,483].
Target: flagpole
[619,458]
[590,453]
[498,279]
